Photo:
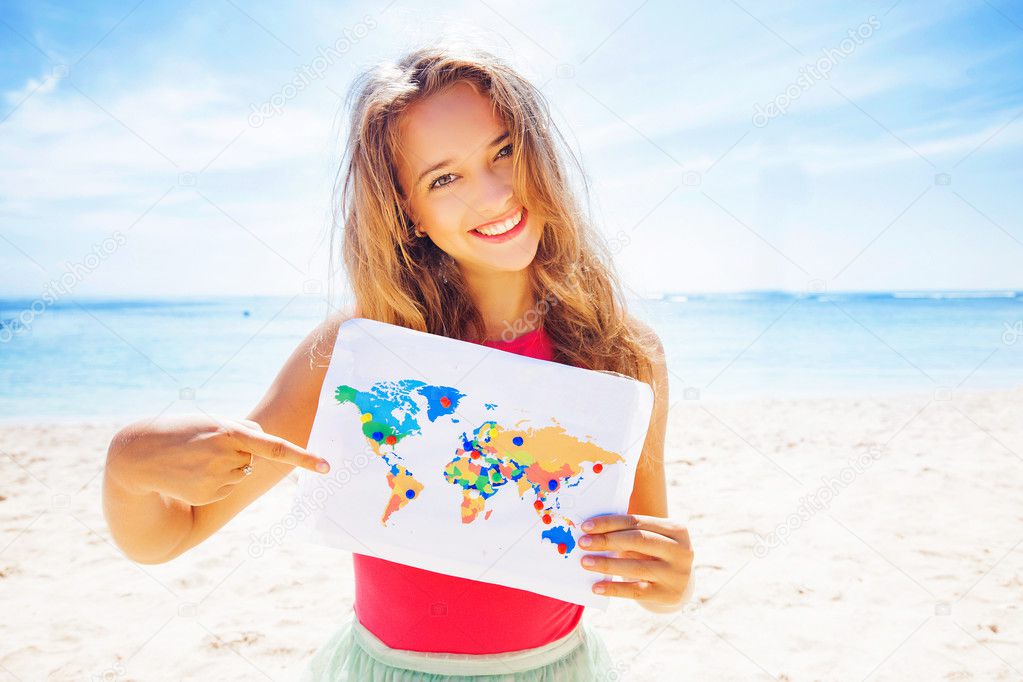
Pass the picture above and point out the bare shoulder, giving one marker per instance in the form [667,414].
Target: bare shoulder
[643,330]
[651,343]
[319,344]
[289,405]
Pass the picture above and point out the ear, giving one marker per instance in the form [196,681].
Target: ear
[406,207]
[415,224]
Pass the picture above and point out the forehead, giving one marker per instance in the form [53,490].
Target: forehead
[449,124]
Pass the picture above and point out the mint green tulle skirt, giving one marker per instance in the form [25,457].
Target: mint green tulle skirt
[354,654]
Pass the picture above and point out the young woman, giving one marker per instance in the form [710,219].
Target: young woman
[458,220]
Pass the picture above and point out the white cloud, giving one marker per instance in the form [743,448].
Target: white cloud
[33,87]
[686,80]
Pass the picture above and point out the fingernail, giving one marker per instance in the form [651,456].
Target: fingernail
[585,541]
[587,525]
[323,467]
[599,589]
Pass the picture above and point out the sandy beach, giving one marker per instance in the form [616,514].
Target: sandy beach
[835,539]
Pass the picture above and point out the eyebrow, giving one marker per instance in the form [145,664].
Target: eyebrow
[445,162]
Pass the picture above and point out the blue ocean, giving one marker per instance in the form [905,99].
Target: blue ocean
[132,358]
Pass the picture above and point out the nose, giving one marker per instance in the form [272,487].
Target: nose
[495,196]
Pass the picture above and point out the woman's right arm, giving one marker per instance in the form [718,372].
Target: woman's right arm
[172,482]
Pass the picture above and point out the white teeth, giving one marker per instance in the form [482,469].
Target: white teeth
[502,227]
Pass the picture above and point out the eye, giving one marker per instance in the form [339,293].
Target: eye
[436,184]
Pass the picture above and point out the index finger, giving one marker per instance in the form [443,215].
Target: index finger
[607,523]
[269,446]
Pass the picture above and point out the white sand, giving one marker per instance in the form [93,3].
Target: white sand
[910,570]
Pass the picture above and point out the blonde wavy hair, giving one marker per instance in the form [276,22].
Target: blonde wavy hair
[398,278]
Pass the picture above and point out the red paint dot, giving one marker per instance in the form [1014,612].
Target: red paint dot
[445,401]
[391,440]
[546,518]
[598,467]
[474,454]
[562,548]
[538,505]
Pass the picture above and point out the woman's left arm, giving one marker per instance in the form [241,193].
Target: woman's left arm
[652,552]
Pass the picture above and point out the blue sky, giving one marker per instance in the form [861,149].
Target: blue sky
[131,163]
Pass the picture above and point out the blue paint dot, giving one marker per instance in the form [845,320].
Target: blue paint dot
[552,484]
[377,435]
[410,494]
[517,440]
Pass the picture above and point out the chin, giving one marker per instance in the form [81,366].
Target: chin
[515,258]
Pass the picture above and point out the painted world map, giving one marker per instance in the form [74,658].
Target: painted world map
[537,462]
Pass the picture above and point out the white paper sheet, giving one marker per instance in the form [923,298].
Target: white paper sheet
[468,460]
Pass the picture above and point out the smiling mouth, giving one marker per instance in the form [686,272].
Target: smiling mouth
[502,228]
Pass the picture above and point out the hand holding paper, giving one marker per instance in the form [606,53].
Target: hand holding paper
[469,460]
[654,554]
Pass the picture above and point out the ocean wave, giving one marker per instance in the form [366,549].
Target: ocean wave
[937,295]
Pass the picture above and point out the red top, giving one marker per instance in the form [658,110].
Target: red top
[419,610]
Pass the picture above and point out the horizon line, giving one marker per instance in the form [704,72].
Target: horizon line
[993,292]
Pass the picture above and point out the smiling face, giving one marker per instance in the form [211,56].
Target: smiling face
[456,174]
